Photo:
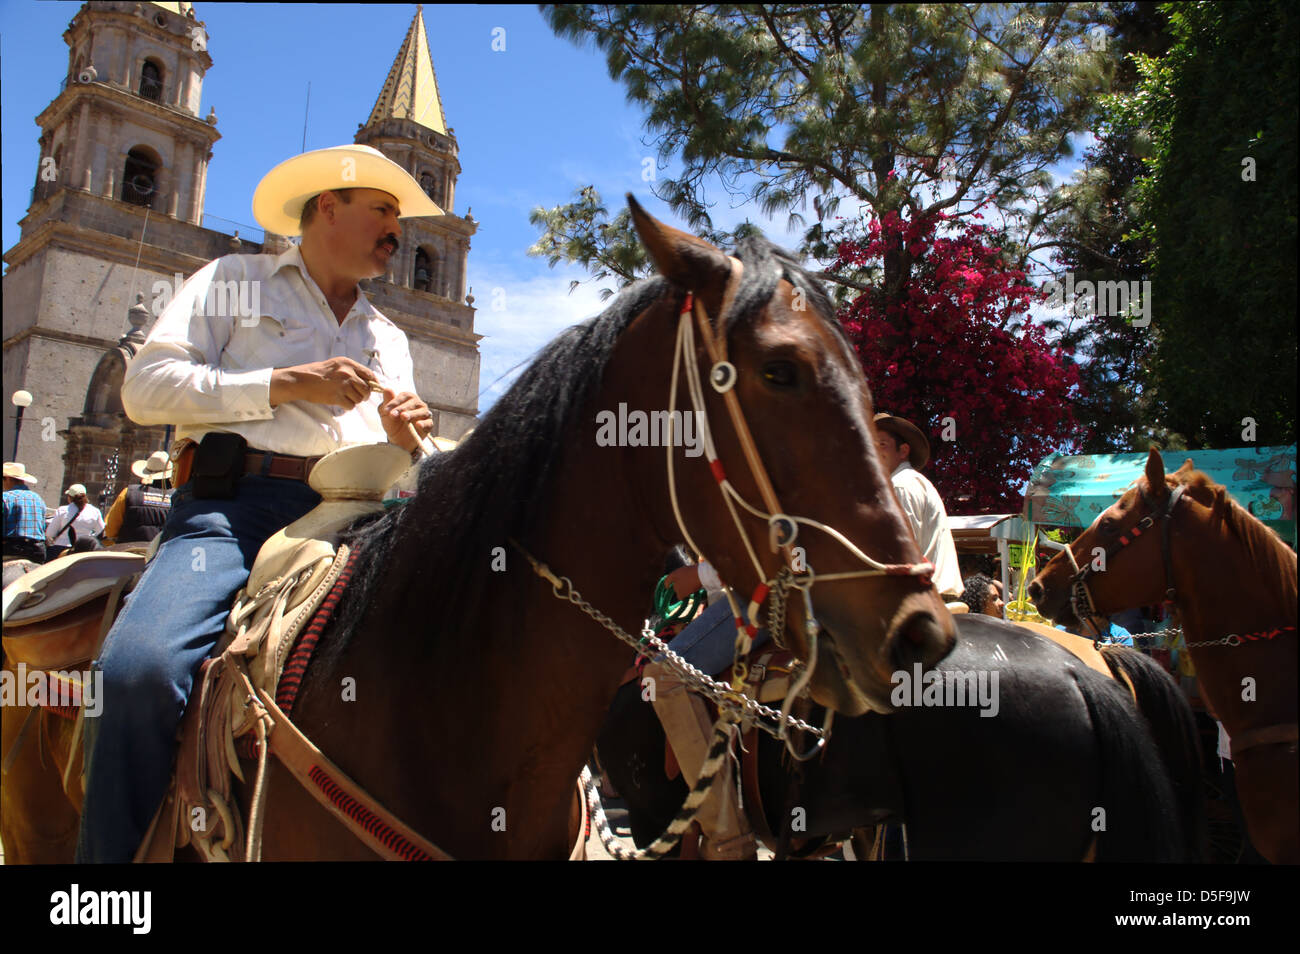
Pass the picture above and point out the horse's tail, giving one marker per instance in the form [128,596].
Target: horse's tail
[1134,818]
[1174,729]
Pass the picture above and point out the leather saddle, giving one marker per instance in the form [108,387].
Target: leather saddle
[55,616]
[294,572]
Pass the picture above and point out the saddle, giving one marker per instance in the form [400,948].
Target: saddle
[54,616]
[296,569]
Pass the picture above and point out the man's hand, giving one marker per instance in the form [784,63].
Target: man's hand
[339,381]
[399,410]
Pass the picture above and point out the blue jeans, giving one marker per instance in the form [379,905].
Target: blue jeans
[709,641]
[168,626]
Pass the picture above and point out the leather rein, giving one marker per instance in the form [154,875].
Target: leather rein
[1085,610]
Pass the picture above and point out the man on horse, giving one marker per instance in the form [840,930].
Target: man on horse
[78,519]
[24,536]
[140,511]
[264,363]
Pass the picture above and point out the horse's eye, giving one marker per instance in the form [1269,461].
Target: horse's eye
[780,374]
[1107,526]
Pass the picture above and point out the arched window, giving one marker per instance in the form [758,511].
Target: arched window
[432,186]
[423,275]
[139,178]
[151,84]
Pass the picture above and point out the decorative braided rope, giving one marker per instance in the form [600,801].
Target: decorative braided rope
[365,818]
[304,646]
[709,773]
[291,679]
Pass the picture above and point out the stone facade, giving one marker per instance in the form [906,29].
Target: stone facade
[117,209]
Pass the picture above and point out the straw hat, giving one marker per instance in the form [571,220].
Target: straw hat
[907,433]
[18,472]
[280,196]
[157,466]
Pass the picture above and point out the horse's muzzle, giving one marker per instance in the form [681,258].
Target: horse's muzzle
[919,636]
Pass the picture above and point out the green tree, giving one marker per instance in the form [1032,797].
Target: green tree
[1096,235]
[916,109]
[1220,208]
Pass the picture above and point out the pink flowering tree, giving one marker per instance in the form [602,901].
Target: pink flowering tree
[953,350]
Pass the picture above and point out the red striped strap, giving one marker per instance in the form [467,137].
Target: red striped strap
[382,832]
[304,646]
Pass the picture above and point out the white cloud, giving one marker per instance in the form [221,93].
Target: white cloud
[520,308]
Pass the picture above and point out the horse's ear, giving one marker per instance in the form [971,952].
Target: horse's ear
[686,261]
[1156,474]
[1186,469]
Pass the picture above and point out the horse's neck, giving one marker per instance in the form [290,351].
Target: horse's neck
[1221,591]
[1223,595]
[516,703]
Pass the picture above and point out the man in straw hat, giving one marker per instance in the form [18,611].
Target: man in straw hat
[904,451]
[140,510]
[24,537]
[263,363]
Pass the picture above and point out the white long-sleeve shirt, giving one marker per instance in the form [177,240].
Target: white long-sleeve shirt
[207,363]
[925,509]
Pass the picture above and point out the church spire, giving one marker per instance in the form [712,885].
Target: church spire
[411,90]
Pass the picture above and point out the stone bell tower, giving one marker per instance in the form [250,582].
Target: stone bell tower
[424,292]
[126,122]
[116,207]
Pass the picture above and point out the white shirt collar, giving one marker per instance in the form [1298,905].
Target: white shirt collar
[905,465]
[293,256]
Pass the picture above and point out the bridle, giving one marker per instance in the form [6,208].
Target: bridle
[783,528]
[1084,608]
[1081,601]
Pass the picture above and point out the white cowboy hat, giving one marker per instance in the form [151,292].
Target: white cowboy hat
[154,467]
[280,196]
[76,490]
[18,472]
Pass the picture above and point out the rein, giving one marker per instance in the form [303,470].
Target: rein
[1084,608]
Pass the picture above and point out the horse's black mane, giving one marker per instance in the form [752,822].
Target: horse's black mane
[491,487]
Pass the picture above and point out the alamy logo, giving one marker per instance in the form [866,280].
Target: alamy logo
[946,689]
[39,687]
[1128,300]
[651,429]
[224,299]
[102,907]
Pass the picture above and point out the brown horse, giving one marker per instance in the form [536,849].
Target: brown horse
[463,695]
[1234,582]
[38,820]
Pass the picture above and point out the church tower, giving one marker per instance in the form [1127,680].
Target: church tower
[424,291]
[116,208]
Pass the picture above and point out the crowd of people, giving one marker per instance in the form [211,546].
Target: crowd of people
[41,534]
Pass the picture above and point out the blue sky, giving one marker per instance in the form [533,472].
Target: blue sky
[534,123]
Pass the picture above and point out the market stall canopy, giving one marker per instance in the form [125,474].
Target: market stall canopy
[1071,490]
[978,533]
